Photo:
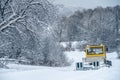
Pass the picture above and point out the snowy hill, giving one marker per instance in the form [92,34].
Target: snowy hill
[25,72]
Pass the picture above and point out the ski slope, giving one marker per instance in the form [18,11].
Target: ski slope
[26,72]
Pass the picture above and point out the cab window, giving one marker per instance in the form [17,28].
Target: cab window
[95,51]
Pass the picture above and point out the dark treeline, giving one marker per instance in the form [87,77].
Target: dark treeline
[96,26]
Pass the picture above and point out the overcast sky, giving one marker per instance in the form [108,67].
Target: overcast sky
[87,3]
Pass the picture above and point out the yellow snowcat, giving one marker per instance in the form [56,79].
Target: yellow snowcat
[95,58]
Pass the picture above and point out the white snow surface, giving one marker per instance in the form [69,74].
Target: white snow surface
[27,72]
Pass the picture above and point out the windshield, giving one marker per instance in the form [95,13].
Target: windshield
[95,51]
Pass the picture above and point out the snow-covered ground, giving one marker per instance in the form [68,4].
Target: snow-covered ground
[27,72]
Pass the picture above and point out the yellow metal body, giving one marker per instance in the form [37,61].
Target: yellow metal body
[98,51]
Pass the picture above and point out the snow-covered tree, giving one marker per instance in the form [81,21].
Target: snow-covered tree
[96,26]
[24,30]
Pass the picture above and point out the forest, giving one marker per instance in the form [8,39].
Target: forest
[33,30]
